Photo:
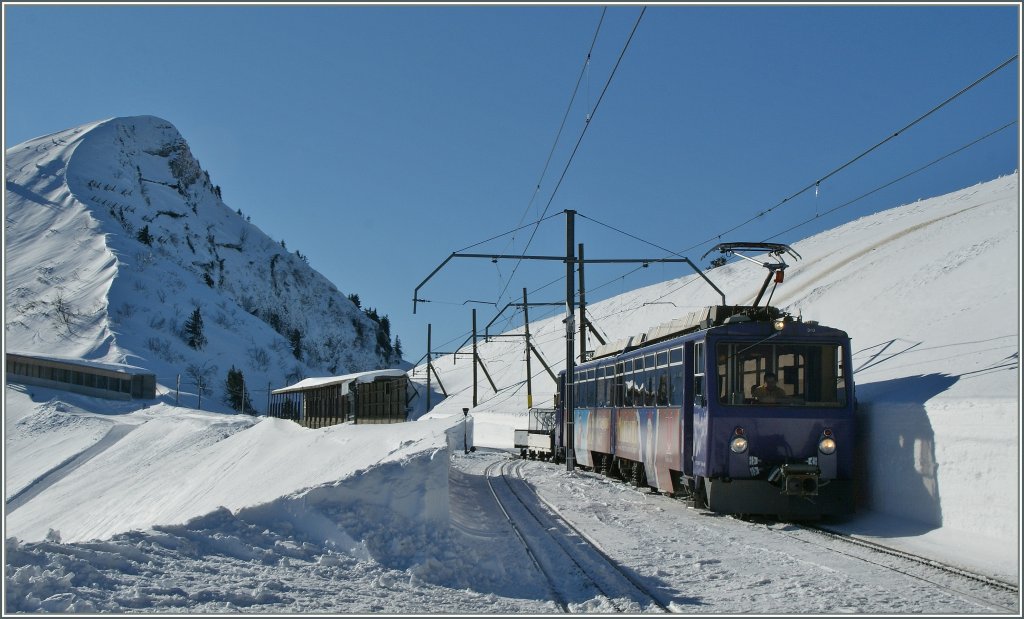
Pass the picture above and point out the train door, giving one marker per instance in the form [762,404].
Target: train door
[680,388]
[696,405]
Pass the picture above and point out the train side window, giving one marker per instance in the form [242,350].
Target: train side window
[591,388]
[626,395]
[699,398]
[649,387]
[609,386]
[663,387]
[638,387]
[617,396]
[649,384]
[630,390]
[675,377]
[675,385]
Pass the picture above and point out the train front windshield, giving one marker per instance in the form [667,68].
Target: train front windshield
[781,374]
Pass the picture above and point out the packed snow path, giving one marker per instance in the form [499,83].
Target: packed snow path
[116,433]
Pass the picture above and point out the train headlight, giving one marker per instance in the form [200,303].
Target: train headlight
[827,445]
[738,444]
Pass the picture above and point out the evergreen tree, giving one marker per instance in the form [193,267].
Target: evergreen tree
[194,336]
[398,348]
[296,341]
[238,395]
[144,237]
[383,334]
[354,298]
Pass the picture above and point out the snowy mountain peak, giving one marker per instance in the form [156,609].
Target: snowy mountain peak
[117,240]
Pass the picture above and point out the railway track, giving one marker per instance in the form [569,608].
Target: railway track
[577,570]
[978,590]
[997,595]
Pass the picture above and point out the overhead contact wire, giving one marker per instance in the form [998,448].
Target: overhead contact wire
[834,172]
[551,153]
[863,154]
[583,133]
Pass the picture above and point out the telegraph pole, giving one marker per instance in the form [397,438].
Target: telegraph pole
[474,357]
[428,367]
[583,311]
[570,353]
[529,380]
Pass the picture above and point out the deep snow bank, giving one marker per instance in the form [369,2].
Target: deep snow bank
[167,465]
[343,545]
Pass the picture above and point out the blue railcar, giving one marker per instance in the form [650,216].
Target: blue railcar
[744,409]
[686,411]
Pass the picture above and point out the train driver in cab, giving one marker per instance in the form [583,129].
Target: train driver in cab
[770,392]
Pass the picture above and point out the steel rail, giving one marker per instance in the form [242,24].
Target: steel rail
[912,558]
[555,596]
[569,554]
[597,547]
[640,587]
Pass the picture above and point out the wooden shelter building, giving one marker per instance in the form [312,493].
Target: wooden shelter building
[113,381]
[378,396]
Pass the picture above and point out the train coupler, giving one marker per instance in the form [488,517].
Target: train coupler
[796,479]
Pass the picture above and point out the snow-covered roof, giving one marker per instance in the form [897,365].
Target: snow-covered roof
[103,365]
[359,377]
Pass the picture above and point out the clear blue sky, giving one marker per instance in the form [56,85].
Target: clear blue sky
[376,140]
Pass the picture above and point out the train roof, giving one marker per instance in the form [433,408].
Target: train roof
[720,315]
[697,320]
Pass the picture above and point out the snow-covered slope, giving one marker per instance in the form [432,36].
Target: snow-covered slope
[115,235]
